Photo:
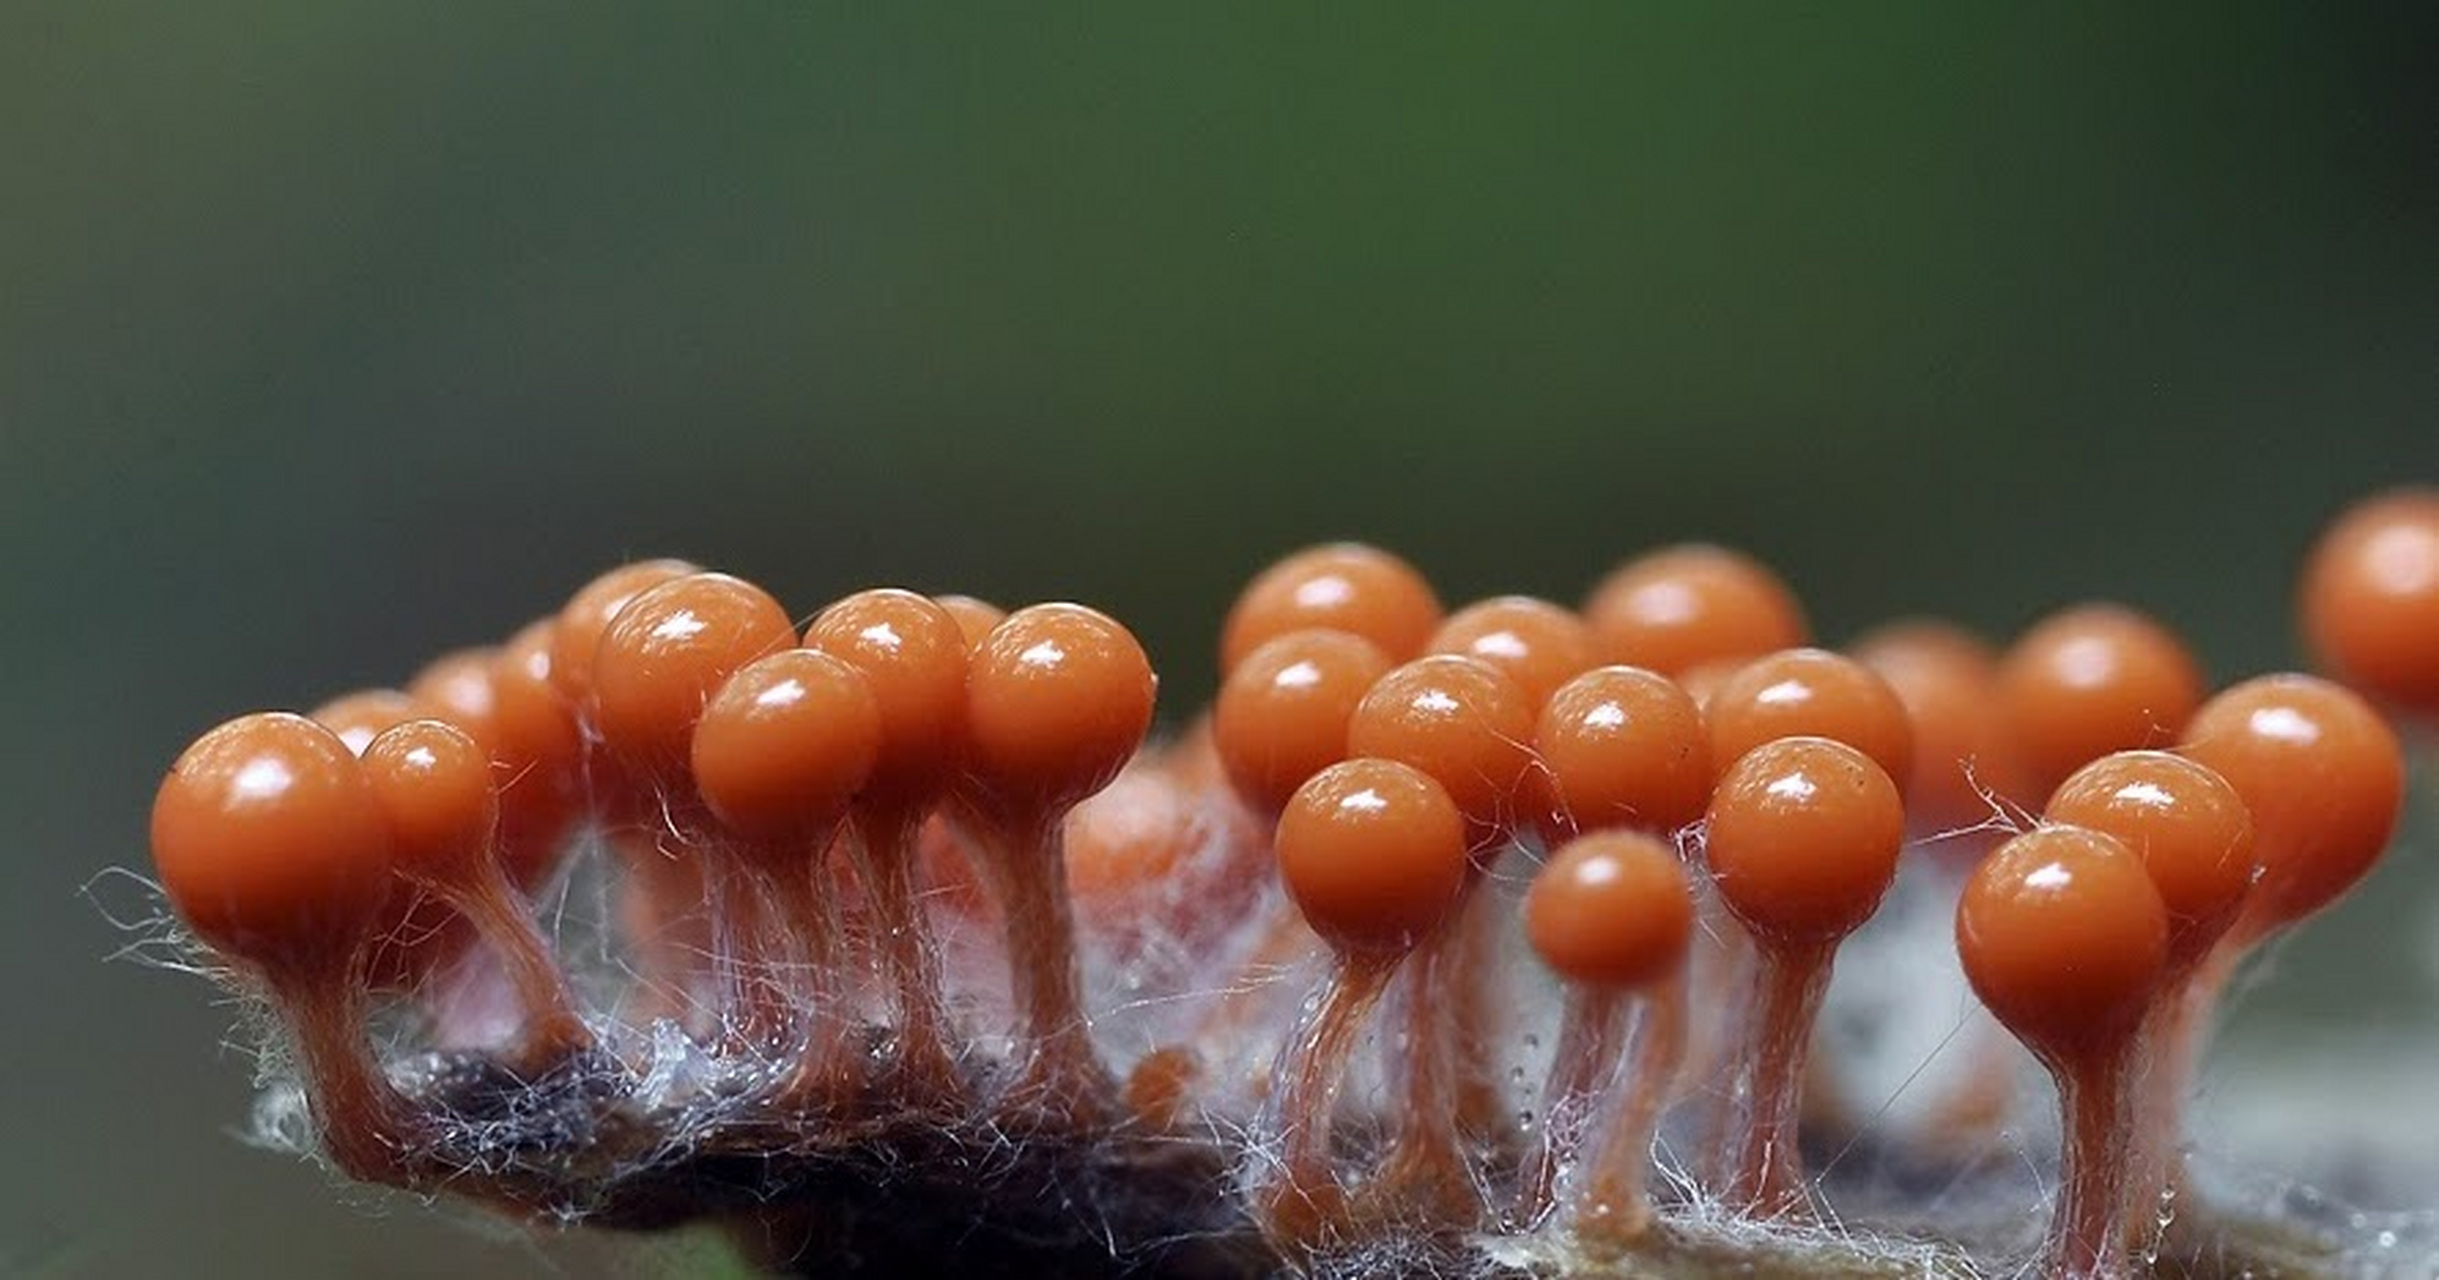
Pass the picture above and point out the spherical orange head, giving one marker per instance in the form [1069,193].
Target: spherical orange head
[2187,825]
[1680,607]
[1458,720]
[1134,835]
[1282,714]
[1611,910]
[2065,940]
[784,747]
[1813,693]
[2091,680]
[2370,598]
[359,717]
[912,654]
[576,632]
[1802,839]
[436,788]
[1343,586]
[974,618]
[666,654]
[1373,852]
[271,844]
[1058,699]
[1534,643]
[540,751]
[1948,680]
[2323,776]
[457,686]
[1621,747]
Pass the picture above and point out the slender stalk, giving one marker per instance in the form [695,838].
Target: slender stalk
[2086,1240]
[1586,1055]
[367,1126]
[1297,1197]
[1767,1178]
[1615,1208]
[883,846]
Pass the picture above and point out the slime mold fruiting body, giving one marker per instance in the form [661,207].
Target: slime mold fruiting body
[1480,943]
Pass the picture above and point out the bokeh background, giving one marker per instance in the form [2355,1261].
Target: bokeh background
[334,334]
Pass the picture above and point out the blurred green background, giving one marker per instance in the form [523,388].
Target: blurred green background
[336,334]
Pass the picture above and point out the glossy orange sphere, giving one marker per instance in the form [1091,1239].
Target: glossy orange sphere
[1058,699]
[271,844]
[912,654]
[785,745]
[667,653]
[1132,836]
[1679,607]
[1797,693]
[974,618]
[588,613]
[1342,586]
[1534,643]
[1621,747]
[359,717]
[1458,720]
[1802,839]
[435,786]
[1947,678]
[1703,679]
[540,753]
[457,687]
[2090,680]
[1373,853]
[2323,776]
[2187,825]
[1282,714]
[1611,909]
[2370,598]
[2064,939]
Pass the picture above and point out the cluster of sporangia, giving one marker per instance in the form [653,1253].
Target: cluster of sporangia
[1704,807]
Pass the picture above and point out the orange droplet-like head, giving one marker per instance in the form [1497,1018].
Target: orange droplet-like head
[1811,693]
[1373,852]
[540,751]
[1130,838]
[785,745]
[1534,643]
[270,843]
[2187,825]
[435,786]
[1282,714]
[458,687]
[2065,940]
[912,654]
[2323,776]
[1342,586]
[1458,720]
[576,632]
[361,716]
[2369,599]
[1679,607]
[1058,699]
[1947,678]
[974,618]
[666,654]
[1621,747]
[1802,839]
[2090,680]
[1611,909]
